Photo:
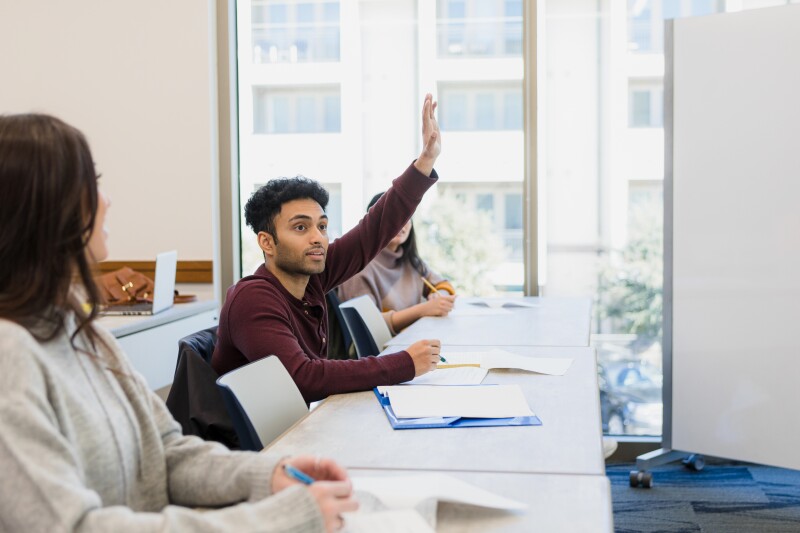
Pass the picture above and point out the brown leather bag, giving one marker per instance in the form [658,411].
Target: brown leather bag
[125,286]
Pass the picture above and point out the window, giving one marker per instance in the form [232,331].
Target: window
[479,28]
[480,107]
[604,232]
[501,204]
[603,193]
[294,31]
[513,205]
[646,108]
[348,116]
[296,110]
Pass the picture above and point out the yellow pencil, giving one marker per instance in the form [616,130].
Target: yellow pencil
[429,284]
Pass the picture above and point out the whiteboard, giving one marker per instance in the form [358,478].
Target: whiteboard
[733,236]
[138,78]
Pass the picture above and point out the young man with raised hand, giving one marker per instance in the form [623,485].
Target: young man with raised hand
[281,309]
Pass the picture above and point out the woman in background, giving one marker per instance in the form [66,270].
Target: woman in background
[394,281]
[84,445]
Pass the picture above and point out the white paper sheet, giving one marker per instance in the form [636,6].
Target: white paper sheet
[556,366]
[407,491]
[392,521]
[474,310]
[497,303]
[462,375]
[471,401]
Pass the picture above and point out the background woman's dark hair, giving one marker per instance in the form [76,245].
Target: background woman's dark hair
[48,201]
[266,202]
[409,247]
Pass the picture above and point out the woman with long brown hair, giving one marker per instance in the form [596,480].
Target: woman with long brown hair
[400,283]
[84,445]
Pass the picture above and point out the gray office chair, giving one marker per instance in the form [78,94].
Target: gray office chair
[366,325]
[262,400]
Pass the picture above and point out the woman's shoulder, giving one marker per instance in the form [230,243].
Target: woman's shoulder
[23,355]
[13,335]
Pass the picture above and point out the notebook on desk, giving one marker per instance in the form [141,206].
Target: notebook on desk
[449,421]
[163,291]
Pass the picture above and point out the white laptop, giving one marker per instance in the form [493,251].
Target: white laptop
[163,292]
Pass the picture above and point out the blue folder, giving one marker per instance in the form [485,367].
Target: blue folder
[450,421]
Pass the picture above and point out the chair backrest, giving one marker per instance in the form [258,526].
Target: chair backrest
[263,401]
[366,324]
[202,342]
[194,399]
[337,321]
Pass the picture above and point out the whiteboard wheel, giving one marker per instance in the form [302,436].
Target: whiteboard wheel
[640,478]
[695,462]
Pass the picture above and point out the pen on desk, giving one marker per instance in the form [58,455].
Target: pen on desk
[429,285]
[298,475]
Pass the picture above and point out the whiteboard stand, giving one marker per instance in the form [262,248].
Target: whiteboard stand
[665,454]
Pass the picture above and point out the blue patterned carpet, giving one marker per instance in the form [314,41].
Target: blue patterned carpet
[723,497]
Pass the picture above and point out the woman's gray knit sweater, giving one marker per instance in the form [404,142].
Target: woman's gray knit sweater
[85,446]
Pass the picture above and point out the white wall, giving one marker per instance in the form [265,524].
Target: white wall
[138,79]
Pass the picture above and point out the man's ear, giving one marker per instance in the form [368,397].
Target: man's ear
[266,243]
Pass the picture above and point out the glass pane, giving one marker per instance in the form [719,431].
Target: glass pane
[479,28]
[603,187]
[353,123]
[640,108]
[289,32]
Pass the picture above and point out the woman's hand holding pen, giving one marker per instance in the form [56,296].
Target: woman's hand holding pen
[327,482]
[438,304]
[425,354]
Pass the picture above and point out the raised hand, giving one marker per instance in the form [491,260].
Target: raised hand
[431,137]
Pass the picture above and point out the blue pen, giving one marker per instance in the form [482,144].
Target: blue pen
[299,475]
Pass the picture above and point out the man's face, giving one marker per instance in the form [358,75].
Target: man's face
[302,230]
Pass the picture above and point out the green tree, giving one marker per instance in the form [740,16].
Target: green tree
[630,292]
[456,241]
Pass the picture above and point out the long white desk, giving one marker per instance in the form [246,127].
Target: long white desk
[557,468]
[556,503]
[553,322]
[151,342]
[353,429]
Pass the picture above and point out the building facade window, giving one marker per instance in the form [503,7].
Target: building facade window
[479,28]
[481,106]
[296,110]
[295,31]
[646,106]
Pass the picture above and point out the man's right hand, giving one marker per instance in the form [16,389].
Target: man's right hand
[425,354]
[431,137]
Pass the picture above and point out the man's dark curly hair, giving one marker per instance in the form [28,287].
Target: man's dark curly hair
[265,204]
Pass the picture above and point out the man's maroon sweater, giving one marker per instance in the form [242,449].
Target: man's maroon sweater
[260,317]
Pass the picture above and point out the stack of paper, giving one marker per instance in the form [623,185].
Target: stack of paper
[477,401]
